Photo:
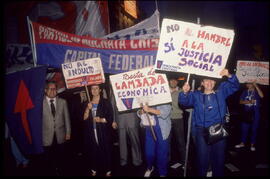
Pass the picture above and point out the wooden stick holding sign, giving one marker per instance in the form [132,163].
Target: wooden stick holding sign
[188,78]
[151,127]
[87,93]
[189,123]
[150,124]
[93,115]
[82,73]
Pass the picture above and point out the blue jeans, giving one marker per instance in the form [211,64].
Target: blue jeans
[156,150]
[213,155]
[254,126]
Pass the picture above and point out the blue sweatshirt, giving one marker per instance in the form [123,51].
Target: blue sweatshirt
[206,110]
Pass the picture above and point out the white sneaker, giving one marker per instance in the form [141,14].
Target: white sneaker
[253,149]
[209,173]
[93,173]
[148,172]
[239,146]
[176,165]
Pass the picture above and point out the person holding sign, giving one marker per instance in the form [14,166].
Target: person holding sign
[97,132]
[251,99]
[156,140]
[209,108]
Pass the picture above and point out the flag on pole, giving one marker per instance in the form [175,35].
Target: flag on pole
[89,18]
[23,108]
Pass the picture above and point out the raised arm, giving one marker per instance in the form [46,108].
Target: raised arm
[186,97]
[231,85]
[87,110]
[258,90]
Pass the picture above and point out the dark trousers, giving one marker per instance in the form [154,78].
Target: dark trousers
[177,136]
[131,134]
[54,155]
[98,157]
[209,154]
[253,126]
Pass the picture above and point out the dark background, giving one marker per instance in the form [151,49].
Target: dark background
[249,20]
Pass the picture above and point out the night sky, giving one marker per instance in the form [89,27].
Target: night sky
[249,20]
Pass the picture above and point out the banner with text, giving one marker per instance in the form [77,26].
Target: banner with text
[192,48]
[83,72]
[18,57]
[146,29]
[55,47]
[253,71]
[140,86]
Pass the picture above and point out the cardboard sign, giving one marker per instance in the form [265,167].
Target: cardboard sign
[192,48]
[83,72]
[253,71]
[140,86]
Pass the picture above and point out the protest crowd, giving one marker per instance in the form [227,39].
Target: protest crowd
[133,107]
[95,140]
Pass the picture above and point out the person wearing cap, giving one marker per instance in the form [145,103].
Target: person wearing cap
[209,108]
[177,133]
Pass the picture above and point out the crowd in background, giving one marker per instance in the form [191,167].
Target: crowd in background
[93,127]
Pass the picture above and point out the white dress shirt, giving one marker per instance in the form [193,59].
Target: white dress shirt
[49,101]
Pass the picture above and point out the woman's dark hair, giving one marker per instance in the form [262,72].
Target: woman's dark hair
[101,90]
[215,87]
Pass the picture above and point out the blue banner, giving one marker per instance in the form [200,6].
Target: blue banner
[54,48]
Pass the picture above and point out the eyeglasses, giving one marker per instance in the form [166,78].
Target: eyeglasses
[52,89]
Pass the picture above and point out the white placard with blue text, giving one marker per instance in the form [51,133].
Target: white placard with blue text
[192,48]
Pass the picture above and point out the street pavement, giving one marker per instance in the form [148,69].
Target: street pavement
[239,162]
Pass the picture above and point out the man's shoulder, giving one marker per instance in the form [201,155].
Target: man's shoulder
[60,99]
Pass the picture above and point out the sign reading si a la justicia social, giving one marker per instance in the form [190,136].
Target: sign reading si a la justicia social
[192,48]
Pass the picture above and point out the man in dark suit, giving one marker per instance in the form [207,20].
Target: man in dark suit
[56,127]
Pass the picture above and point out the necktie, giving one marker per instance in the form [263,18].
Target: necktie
[52,107]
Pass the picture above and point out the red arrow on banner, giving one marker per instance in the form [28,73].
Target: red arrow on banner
[24,103]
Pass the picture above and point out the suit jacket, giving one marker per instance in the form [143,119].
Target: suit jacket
[60,124]
[126,119]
